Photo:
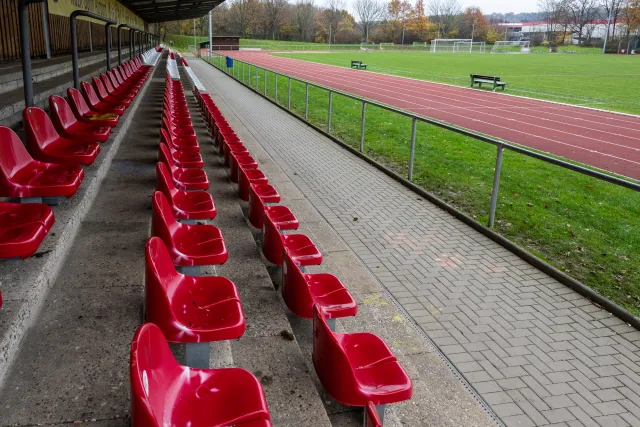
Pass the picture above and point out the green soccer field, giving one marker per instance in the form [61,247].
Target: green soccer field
[610,82]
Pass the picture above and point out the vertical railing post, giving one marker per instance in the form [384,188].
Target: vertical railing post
[27,81]
[249,75]
[243,72]
[131,35]
[362,124]
[74,53]
[329,112]
[90,38]
[496,185]
[264,87]
[306,102]
[119,45]
[107,44]
[45,28]
[276,77]
[412,151]
[289,95]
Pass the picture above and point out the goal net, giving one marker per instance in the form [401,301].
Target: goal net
[446,45]
[367,46]
[511,47]
[469,47]
[386,46]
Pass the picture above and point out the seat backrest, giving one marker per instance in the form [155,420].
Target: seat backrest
[164,182]
[13,154]
[77,102]
[330,360]
[164,155]
[107,83]
[271,241]
[152,370]
[38,127]
[163,224]
[89,94]
[295,291]
[102,91]
[111,75]
[161,281]
[61,113]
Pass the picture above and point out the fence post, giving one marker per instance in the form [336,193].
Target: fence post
[306,103]
[276,74]
[412,152]
[264,86]
[243,72]
[249,75]
[289,95]
[362,123]
[330,110]
[496,186]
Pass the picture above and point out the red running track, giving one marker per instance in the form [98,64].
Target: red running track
[605,140]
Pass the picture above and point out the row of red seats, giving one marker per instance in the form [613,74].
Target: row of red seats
[355,369]
[187,308]
[48,168]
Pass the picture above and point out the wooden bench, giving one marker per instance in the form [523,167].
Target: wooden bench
[358,65]
[492,80]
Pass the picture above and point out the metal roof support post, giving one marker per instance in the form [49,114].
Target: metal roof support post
[107,42]
[45,28]
[131,45]
[119,45]
[23,19]
[74,41]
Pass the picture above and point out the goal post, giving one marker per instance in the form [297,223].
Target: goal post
[469,47]
[386,46]
[446,45]
[502,46]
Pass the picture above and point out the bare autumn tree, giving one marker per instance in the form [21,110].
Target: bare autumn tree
[332,15]
[304,14]
[579,14]
[553,14]
[612,8]
[370,13]
[242,15]
[444,13]
[273,12]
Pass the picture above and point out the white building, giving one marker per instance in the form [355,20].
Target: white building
[595,29]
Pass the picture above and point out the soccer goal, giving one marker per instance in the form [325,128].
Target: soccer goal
[367,46]
[386,46]
[511,47]
[446,45]
[469,47]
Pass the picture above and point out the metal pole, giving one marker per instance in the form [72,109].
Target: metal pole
[606,35]
[23,15]
[107,42]
[276,74]
[194,33]
[74,54]
[362,124]
[496,186]
[243,72]
[265,83]
[289,95]
[249,75]
[306,102]
[119,46]
[412,152]
[329,115]
[131,43]
[210,35]
[45,28]
[90,38]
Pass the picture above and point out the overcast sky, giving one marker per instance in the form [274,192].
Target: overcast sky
[487,6]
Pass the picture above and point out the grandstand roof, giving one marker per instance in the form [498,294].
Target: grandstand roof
[170,10]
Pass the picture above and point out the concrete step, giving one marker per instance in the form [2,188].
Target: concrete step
[56,83]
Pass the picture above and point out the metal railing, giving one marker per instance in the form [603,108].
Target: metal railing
[219,61]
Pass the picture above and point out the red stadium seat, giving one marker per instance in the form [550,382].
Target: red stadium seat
[188,145]
[259,194]
[240,159]
[46,145]
[299,246]
[95,104]
[107,98]
[186,133]
[23,177]
[229,148]
[164,393]
[84,114]
[371,418]
[356,369]
[182,159]
[111,89]
[247,177]
[189,245]
[70,127]
[184,179]
[185,205]
[23,227]
[186,308]
[301,291]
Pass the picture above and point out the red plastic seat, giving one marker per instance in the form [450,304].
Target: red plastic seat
[299,246]
[23,227]
[189,245]
[356,369]
[371,418]
[111,89]
[46,145]
[247,177]
[240,159]
[229,148]
[182,144]
[23,177]
[184,204]
[95,104]
[189,308]
[184,179]
[182,159]
[301,291]
[164,393]
[84,114]
[186,133]
[259,194]
[108,98]
[70,127]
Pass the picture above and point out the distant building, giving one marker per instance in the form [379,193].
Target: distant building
[595,29]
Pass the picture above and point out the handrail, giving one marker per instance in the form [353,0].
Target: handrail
[131,29]
[27,81]
[74,40]
[498,143]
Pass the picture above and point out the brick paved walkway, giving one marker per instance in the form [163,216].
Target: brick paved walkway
[537,352]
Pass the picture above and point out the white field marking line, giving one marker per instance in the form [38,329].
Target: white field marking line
[356,86]
[556,141]
[436,94]
[561,104]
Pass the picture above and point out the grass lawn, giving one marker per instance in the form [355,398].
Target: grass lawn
[582,226]
[182,43]
[603,81]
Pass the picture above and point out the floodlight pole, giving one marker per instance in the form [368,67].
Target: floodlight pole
[194,33]
[606,35]
[210,36]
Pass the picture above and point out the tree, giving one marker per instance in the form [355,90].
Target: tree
[553,12]
[631,14]
[242,14]
[418,24]
[473,24]
[273,12]
[304,13]
[370,13]
[398,12]
[332,16]
[445,13]
[579,14]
